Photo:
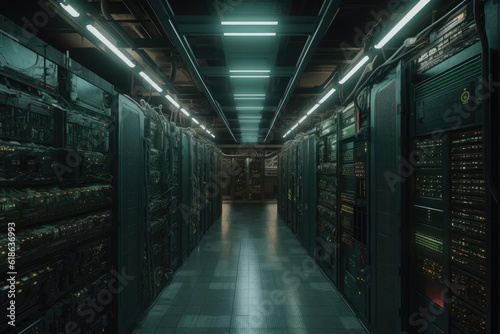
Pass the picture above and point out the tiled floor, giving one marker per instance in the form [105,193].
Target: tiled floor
[250,275]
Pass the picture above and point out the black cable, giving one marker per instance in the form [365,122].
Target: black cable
[385,66]
[486,103]
[418,38]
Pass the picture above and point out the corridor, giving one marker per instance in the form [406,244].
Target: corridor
[250,275]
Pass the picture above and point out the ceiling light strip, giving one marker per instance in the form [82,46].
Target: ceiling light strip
[354,70]
[150,81]
[249,76]
[249,95]
[174,102]
[316,106]
[249,108]
[249,34]
[330,93]
[249,98]
[249,23]
[110,45]
[185,112]
[71,11]
[249,71]
[407,18]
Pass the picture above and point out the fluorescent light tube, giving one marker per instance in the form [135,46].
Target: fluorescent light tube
[302,119]
[208,131]
[71,11]
[106,42]
[184,111]
[249,76]
[354,70]
[330,93]
[414,11]
[249,23]
[194,120]
[249,71]
[203,127]
[212,135]
[249,98]
[249,34]
[249,95]
[316,106]
[296,125]
[174,102]
[249,108]
[151,82]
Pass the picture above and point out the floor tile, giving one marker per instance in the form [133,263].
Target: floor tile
[250,275]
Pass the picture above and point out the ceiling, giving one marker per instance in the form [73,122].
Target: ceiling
[243,89]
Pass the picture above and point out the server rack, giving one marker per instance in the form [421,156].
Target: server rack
[296,196]
[327,191]
[310,198]
[450,246]
[56,177]
[91,188]
[174,192]
[386,200]
[353,212]
[256,179]
[131,201]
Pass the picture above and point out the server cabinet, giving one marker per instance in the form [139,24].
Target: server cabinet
[327,226]
[309,184]
[185,209]
[352,213]
[385,202]
[57,187]
[256,174]
[131,202]
[450,247]
[176,220]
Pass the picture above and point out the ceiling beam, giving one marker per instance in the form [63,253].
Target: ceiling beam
[166,16]
[155,43]
[327,14]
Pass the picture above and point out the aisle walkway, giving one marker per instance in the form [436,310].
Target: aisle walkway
[250,275]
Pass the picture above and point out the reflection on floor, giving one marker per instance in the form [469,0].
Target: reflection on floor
[250,275]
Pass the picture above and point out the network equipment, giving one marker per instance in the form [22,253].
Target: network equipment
[92,181]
